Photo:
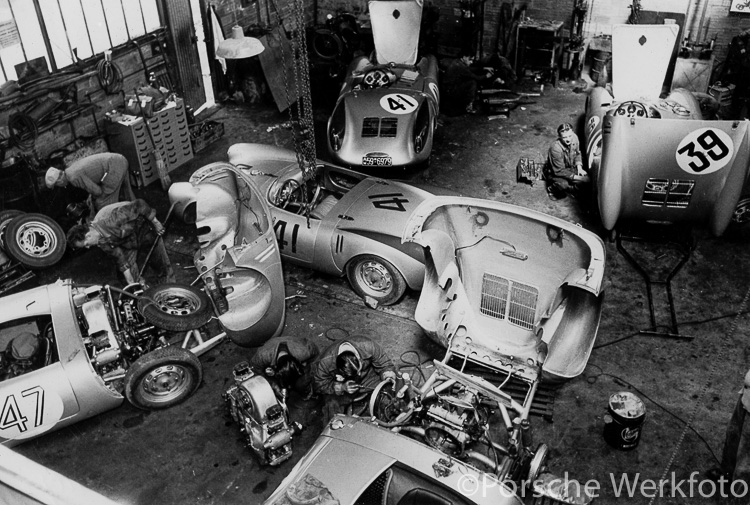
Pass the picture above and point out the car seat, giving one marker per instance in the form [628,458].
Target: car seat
[324,207]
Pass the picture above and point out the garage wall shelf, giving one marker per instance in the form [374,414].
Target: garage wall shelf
[171,134]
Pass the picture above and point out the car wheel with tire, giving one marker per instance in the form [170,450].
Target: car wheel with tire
[35,240]
[377,278]
[163,378]
[6,216]
[175,307]
[741,211]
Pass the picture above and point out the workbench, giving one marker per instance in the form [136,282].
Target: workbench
[538,47]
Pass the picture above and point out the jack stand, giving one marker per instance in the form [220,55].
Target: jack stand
[681,240]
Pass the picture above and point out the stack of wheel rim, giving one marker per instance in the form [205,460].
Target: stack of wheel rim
[31,239]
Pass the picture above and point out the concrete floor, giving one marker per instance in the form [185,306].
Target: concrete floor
[193,453]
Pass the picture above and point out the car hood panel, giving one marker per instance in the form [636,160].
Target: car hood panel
[395,29]
[498,276]
[640,58]
[380,207]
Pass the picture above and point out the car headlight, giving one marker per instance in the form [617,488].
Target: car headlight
[421,129]
[337,128]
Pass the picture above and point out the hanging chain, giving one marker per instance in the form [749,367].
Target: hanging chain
[305,144]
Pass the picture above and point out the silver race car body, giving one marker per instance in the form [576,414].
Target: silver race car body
[509,288]
[354,225]
[659,160]
[68,353]
[387,109]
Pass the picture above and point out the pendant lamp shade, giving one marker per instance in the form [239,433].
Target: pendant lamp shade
[238,46]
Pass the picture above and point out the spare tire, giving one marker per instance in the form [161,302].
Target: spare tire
[163,378]
[175,307]
[6,216]
[35,240]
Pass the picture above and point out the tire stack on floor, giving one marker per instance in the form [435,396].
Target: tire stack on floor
[29,240]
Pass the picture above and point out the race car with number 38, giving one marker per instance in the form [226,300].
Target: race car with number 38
[664,160]
[339,222]
[387,109]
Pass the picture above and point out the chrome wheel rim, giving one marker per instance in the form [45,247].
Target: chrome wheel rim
[374,278]
[742,211]
[165,383]
[177,302]
[37,239]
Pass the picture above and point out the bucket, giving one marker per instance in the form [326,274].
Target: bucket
[622,423]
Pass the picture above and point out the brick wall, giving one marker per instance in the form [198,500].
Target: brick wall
[601,15]
[257,16]
[85,88]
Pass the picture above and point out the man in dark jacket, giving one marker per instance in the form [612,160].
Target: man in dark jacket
[121,230]
[459,85]
[564,169]
[347,369]
[103,176]
[286,362]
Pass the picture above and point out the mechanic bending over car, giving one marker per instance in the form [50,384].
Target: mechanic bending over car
[347,371]
[460,83]
[286,363]
[104,176]
[563,171]
[122,230]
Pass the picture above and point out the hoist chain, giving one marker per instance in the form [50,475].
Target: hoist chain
[305,144]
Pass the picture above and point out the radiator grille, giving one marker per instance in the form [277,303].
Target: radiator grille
[379,127]
[502,298]
[370,127]
[388,127]
[674,193]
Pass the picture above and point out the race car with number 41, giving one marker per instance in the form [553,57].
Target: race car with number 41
[387,109]
[662,160]
[338,222]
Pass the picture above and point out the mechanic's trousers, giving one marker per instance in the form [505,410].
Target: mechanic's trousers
[735,460]
[159,260]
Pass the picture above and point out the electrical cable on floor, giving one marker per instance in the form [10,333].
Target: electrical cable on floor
[417,364]
[709,380]
[592,379]
[716,318]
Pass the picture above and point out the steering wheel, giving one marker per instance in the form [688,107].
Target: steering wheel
[313,201]
[376,78]
[286,194]
[631,109]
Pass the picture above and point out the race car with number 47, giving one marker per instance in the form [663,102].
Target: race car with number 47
[339,222]
[70,352]
[663,160]
[387,109]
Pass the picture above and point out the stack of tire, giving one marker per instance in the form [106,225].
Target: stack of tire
[31,239]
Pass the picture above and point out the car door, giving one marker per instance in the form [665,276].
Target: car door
[296,236]
[239,258]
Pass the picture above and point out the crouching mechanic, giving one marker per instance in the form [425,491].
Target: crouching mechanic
[347,370]
[286,361]
[564,168]
[121,230]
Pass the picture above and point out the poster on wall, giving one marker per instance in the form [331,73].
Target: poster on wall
[8,34]
[740,6]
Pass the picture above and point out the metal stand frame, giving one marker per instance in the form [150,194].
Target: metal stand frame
[681,241]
